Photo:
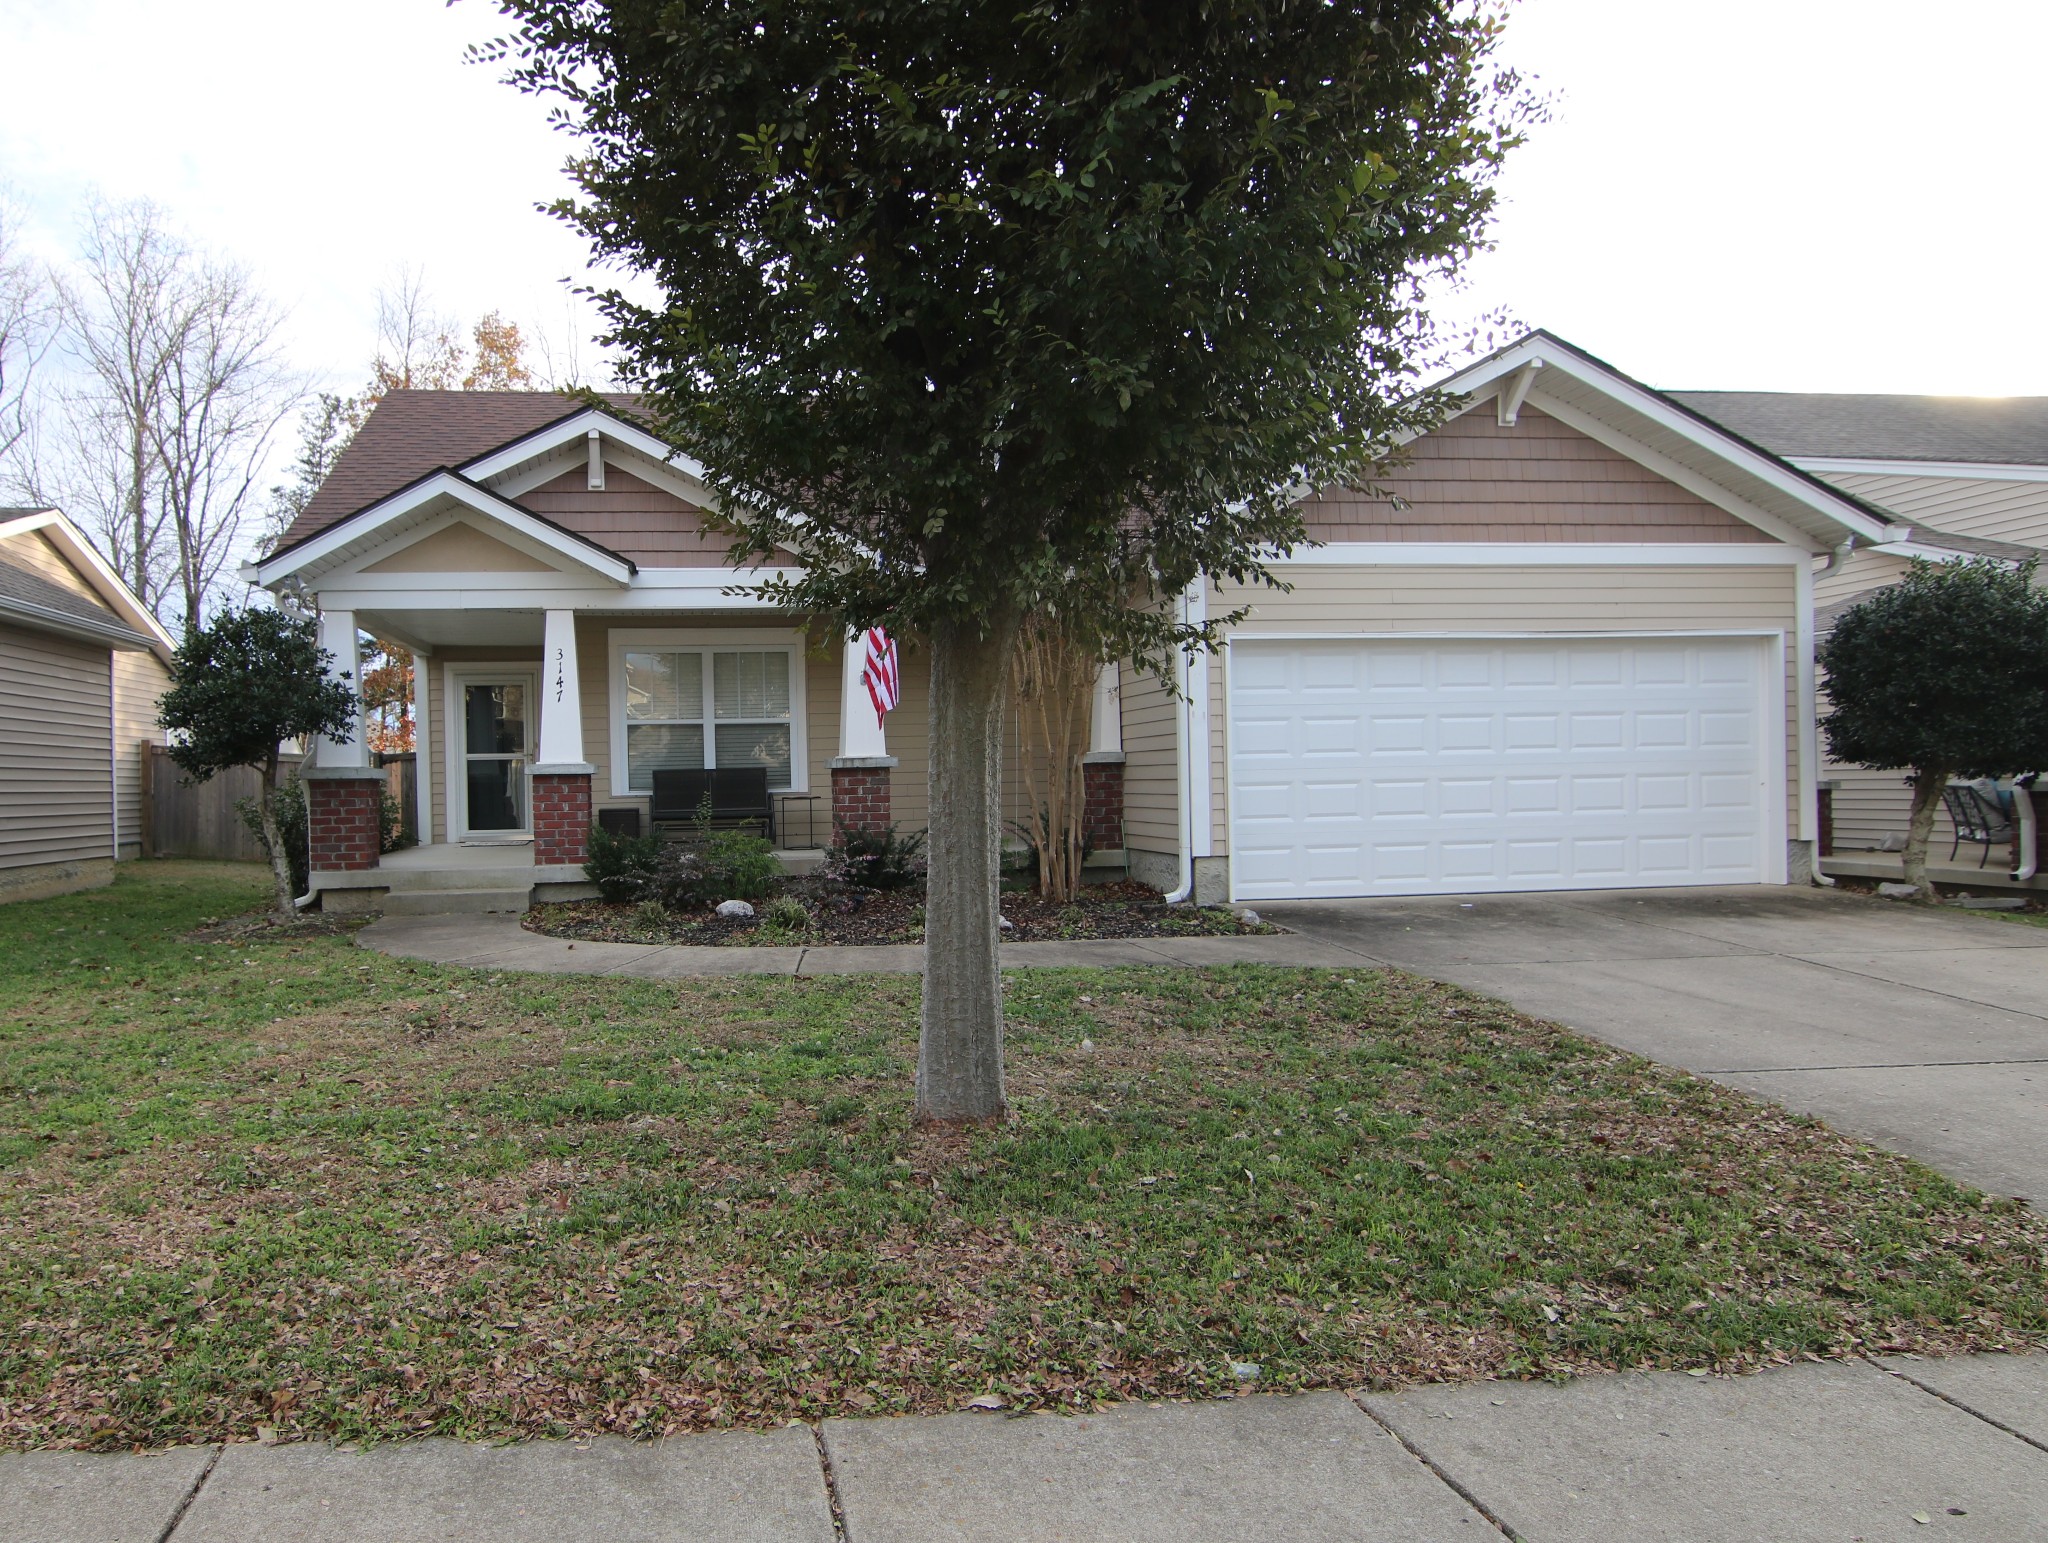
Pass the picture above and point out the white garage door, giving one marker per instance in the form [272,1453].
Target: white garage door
[1393,768]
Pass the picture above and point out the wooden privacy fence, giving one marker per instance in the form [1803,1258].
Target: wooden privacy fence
[201,821]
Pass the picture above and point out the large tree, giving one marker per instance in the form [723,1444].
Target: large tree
[963,299]
[1942,674]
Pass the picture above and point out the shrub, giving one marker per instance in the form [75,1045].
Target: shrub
[621,866]
[391,831]
[786,913]
[739,865]
[875,859]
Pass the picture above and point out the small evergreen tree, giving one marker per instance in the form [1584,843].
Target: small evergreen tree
[240,686]
[1943,674]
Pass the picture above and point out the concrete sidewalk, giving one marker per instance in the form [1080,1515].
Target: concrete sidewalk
[498,942]
[1828,1452]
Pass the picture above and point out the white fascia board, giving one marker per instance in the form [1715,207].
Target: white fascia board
[1544,554]
[337,538]
[1857,466]
[653,590]
[575,430]
[111,587]
[1535,349]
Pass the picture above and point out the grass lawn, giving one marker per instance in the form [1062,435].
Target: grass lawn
[297,1185]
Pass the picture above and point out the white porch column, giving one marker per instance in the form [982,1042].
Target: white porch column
[561,699]
[338,637]
[861,737]
[423,742]
[1106,721]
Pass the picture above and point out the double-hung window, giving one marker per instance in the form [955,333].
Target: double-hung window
[707,706]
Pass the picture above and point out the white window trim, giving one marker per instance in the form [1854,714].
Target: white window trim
[454,675]
[789,640]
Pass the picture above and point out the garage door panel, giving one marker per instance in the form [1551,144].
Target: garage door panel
[1498,765]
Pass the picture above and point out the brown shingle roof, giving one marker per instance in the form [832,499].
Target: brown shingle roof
[409,433]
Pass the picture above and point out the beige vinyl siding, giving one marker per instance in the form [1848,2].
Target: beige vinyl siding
[56,794]
[1474,480]
[1963,506]
[140,680]
[1151,777]
[37,553]
[1475,599]
[1863,572]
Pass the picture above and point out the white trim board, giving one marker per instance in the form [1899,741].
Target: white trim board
[1857,466]
[576,429]
[1546,554]
[337,541]
[709,639]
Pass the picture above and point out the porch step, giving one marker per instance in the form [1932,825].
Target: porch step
[450,902]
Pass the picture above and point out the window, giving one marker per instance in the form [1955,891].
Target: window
[706,706]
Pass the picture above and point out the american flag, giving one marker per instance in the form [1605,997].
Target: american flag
[885,688]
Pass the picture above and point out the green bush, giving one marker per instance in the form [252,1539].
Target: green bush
[875,859]
[621,866]
[739,865]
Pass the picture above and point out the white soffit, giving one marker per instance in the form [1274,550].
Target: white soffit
[56,526]
[1636,421]
[528,462]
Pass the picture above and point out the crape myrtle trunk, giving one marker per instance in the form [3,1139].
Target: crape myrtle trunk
[1928,783]
[273,838]
[960,1046]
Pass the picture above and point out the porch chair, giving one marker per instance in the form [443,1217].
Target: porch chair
[738,794]
[1978,817]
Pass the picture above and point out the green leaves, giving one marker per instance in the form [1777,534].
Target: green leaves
[244,682]
[1104,291]
[1947,669]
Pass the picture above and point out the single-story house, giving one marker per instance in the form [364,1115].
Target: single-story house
[1959,476]
[82,664]
[1566,644]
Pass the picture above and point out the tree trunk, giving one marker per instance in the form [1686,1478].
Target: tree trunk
[960,1048]
[273,838]
[1927,789]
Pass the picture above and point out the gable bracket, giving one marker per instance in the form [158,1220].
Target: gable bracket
[1514,391]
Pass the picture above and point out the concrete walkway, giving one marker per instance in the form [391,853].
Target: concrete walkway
[500,943]
[1877,1451]
[1924,1030]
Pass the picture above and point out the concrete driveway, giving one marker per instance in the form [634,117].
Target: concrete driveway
[1925,1031]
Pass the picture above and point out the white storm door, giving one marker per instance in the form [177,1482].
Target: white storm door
[1388,767]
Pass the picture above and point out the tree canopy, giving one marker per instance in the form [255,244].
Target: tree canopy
[961,297]
[1945,671]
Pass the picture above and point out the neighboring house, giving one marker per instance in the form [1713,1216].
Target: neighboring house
[82,665]
[1961,476]
[1567,645]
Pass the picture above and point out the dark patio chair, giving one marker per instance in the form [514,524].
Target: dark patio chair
[1978,818]
[738,795]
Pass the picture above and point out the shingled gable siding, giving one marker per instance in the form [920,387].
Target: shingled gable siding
[632,517]
[1473,480]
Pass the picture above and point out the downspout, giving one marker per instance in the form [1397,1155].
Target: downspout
[1809,731]
[2023,814]
[1183,735]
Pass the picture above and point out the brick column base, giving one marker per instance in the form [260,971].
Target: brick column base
[1102,818]
[561,817]
[860,798]
[341,821]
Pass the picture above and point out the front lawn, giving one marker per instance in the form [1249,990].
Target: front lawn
[285,1183]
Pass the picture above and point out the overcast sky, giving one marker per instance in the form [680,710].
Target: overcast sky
[1783,194]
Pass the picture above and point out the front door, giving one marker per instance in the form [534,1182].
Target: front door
[496,748]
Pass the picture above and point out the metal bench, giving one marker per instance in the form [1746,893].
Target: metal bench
[738,796]
[1979,820]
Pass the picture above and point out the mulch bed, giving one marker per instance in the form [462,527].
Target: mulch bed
[2035,902]
[841,916]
